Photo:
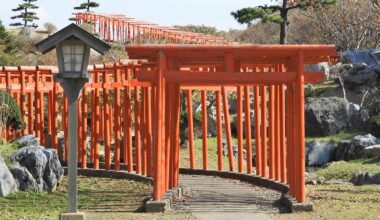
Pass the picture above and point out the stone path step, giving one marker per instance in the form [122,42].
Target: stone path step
[217,198]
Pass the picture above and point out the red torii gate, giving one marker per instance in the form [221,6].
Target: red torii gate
[273,75]
[123,29]
[278,104]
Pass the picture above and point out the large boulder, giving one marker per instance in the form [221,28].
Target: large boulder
[53,172]
[28,140]
[326,116]
[354,149]
[36,168]
[360,74]
[24,179]
[372,151]
[319,153]
[360,179]
[7,183]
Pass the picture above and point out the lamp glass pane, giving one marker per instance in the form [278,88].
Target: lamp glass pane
[67,67]
[73,57]
[79,49]
[66,58]
[78,67]
[66,49]
[78,58]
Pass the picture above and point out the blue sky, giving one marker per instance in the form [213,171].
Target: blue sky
[164,12]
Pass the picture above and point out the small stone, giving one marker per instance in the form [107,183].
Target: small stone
[319,153]
[360,179]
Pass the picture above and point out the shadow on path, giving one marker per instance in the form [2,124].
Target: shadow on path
[217,198]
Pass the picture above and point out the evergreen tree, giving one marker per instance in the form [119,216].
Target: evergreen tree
[87,5]
[277,13]
[27,15]
[7,42]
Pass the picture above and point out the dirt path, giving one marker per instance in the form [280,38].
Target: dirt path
[217,198]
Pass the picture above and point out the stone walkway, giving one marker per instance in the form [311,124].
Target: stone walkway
[217,198]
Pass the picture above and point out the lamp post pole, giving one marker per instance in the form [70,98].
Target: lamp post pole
[72,88]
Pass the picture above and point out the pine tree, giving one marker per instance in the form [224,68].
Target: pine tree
[87,5]
[27,15]
[277,13]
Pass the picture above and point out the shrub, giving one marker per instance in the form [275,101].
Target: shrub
[374,122]
[9,111]
[183,126]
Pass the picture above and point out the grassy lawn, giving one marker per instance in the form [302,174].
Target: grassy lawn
[335,138]
[212,156]
[95,195]
[345,169]
[340,202]
[6,149]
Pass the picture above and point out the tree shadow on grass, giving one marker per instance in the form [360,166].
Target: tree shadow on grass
[112,200]
[372,161]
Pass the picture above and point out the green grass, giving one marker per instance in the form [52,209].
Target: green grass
[95,195]
[6,149]
[340,202]
[212,156]
[334,138]
[346,169]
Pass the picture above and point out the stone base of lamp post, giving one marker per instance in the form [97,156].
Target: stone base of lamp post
[72,216]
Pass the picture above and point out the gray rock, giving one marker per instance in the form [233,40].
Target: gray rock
[372,151]
[360,179]
[364,114]
[326,116]
[319,153]
[313,179]
[353,109]
[354,149]
[320,67]
[28,140]
[360,74]
[24,179]
[339,69]
[34,160]
[7,183]
[54,172]
[36,168]
[61,145]
[341,150]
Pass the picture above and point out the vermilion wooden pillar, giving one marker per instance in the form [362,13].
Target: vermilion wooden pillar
[247,99]
[240,127]
[117,127]
[190,128]
[257,131]
[158,182]
[219,131]
[264,131]
[227,128]
[300,82]
[204,129]
[107,130]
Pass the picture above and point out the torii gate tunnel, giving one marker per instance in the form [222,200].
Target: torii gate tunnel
[276,77]
[142,97]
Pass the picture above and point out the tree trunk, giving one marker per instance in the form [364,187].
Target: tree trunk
[284,23]
[283,33]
